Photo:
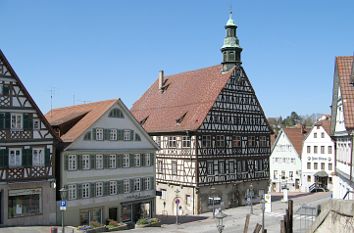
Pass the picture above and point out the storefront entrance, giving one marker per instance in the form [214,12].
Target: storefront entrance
[133,212]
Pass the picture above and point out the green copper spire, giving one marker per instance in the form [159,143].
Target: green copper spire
[231,49]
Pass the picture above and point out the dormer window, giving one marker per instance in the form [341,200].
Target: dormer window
[116,113]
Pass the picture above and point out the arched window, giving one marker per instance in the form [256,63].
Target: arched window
[117,113]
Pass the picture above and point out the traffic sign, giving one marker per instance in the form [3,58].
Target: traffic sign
[177,201]
[63,205]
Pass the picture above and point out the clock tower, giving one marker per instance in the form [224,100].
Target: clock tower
[231,49]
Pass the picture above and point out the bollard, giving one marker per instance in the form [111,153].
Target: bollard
[53,229]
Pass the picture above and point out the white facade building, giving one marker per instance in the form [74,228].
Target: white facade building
[285,160]
[318,158]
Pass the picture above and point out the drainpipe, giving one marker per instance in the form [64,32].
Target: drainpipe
[351,156]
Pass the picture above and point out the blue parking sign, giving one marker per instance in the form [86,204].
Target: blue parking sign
[63,205]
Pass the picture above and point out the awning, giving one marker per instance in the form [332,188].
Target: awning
[321,174]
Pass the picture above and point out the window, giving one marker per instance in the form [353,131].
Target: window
[309,165]
[99,134]
[125,160]
[99,161]
[137,137]
[112,161]
[113,135]
[38,157]
[221,167]
[172,142]
[72,162]
[147,183]
[330,166]
[15,157]
[275,176]
[137,160]
[220,141]
[188,200]
[4,89]
[315,135]
[309,178]
[99,189]
[236,141]
[232,167]
[283,174]
[210,168]
[163,194]
[322,166]
[24,202]
[315,149]
[126,186]
[147,160]
[127,135]
[90,215]
[158,140]
[322,135]
[85,162]
[291,175]
[137,184]
[315,166]
[329,149]
[174,167]
[330,180]
[16,121]
[85,192]
[186,142]
[116,113]
[251,141]
[36,124]
[112,187]
[159,166]
[263,141]
[206,141]
[308,149]
[72,194]
[322,149]
[87,136]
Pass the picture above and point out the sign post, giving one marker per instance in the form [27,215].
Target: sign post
[177,208]
[268,203]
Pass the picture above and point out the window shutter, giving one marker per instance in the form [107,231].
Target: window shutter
[79,191]
[132,160]
[27,121]
[120,133]
[142,184]
[105,161]
[4,155]
[92,190]
[152,183]
[94,133]
[2,120]
[119,161]
[7,120]
[47,161]
[79,162]
[27,157]
[131,135]
[6,90]
[131,185]
[106,134]
[152,159]
[120,186]
[93,161]
[106,188]
[142,160]
[66,162]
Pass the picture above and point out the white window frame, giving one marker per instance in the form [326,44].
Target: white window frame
[112,161]
[72,162]
[85,161]
[85,190]
[186,141]
[206,141]
[172,142]
[16,121]
[220,141]
[112,187]
[36,124]
[99,161]
[38,157]
[99,134]
[15,157]
[163,194]
[147,183]
[127,133]
[113,135]
[99,189]
[136,184]
[126,186]
[72,192]
[210,167]
[137,160]
[147,160]
[126,160]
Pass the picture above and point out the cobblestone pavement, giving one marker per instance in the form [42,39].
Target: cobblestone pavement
[234,222]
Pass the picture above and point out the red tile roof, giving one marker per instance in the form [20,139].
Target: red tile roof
[191,94]
[344,69]
[93,112]
[326,124]
[296,137]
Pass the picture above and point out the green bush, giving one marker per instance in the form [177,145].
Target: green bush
[154,220]
[95,224]
[142,221]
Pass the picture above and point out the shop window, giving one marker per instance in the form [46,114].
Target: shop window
[90,215]
[24,202]
[126,213]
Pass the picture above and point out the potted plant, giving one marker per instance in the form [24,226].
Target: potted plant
[148,222]
[115,226]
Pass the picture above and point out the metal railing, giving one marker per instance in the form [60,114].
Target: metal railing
[346,194]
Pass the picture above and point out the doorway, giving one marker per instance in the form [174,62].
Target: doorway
[113,214]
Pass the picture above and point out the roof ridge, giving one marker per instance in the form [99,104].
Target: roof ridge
[87,104]
[194,71]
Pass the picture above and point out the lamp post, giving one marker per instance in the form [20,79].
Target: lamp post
[177,205]
[220,220]
[63,193]
[251,197]
[212,189]
[263,209]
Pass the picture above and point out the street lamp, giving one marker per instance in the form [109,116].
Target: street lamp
[177,204]
[63,193]
[220,220]
[212,189]
[251,197]
[263,209]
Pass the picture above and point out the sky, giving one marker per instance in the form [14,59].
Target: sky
[90,50]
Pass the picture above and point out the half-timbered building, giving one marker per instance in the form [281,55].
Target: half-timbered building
[27,151]
[213,134]
[107,163]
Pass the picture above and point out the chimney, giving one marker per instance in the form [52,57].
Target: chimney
[161,81]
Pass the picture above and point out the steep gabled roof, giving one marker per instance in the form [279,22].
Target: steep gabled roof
[296,137]
[28,96]
[184,103]
[326,124]
[344,70]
